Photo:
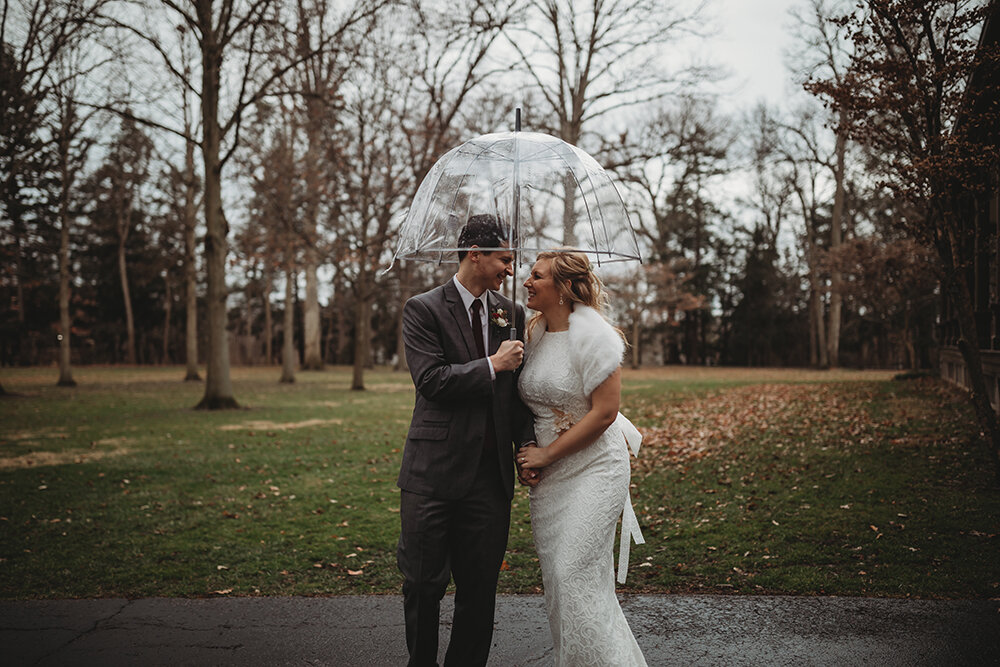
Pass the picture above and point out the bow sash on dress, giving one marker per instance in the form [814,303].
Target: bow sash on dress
[630,525]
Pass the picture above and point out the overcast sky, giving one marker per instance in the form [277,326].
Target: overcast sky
[751,39]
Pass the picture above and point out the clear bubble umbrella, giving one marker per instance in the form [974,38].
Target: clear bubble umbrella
[549,194]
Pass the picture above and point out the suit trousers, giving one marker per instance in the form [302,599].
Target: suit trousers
[464,538]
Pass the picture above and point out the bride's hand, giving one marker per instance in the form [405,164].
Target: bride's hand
[527,476]
[533,456]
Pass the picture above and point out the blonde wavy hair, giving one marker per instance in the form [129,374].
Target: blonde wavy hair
[576,283]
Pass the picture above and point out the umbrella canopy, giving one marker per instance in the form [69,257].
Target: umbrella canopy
[549,194]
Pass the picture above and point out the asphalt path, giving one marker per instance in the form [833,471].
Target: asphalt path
[358,630]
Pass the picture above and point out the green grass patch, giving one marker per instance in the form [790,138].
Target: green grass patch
[749,481]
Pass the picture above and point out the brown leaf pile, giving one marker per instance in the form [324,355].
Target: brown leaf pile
[707,425]
[44,458]
[267,425]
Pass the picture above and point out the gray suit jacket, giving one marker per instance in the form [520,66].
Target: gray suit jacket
[453,392]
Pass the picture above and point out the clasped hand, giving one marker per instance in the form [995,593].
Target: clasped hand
[530,460]
[533,456]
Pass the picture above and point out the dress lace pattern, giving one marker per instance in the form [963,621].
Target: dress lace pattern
[574,511]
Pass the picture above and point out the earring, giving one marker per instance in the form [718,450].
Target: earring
[560,300]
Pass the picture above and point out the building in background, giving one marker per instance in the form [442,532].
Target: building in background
[981,214]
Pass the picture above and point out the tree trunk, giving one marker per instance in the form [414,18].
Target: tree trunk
[362,326]
[126,295]
[288,333]
[167,309]
[570,131]
[331,334]
[909,341]
[19,279]
[248,356]
[404,289]
[190,268]
[818,313]
[65,321]
[636,333]
[569,211]
[218,383]
[343,339]
[312,325]
[268,323]
[813,331]
[836,226]
[697,350]
[311,321]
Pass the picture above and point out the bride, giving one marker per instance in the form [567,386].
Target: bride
[571,380]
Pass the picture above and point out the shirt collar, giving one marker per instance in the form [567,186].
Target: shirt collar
[467,297]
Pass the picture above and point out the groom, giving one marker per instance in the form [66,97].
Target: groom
[457,475]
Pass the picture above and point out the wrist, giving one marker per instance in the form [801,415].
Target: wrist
[548,456]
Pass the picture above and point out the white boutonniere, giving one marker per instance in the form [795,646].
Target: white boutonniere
[500,318]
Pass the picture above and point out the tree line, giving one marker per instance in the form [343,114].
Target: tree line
[220,181]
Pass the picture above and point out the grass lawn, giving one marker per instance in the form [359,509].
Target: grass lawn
[749,481]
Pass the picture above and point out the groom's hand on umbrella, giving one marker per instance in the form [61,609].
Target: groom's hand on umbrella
[509,356]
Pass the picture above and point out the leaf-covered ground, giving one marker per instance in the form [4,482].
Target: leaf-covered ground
[872,488]
[749,481]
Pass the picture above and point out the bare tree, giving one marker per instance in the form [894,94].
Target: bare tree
[800,147]
[274,233]
[772,185]
[127,170]
[43,46]
[246,37]
[218,26]
[188,131]
[72,146]
[759,311]
[374,182]
[823,53]
[175,113]
[653,298]
[588,61]
[686,146]
[317,81]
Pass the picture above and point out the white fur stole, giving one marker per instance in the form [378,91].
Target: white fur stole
[596,349]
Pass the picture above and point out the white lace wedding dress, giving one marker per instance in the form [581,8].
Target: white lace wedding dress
[576,506]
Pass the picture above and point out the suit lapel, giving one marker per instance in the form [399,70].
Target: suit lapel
[457,309]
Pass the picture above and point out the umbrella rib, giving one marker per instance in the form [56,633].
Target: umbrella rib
[579,185]
[604,222]
[628,223]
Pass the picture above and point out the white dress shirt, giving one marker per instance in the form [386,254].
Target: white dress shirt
[467,299]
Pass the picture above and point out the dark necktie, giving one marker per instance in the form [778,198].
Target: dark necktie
[477,326]
[490,441]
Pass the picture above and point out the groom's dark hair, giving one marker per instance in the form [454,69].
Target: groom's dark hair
[482,230]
